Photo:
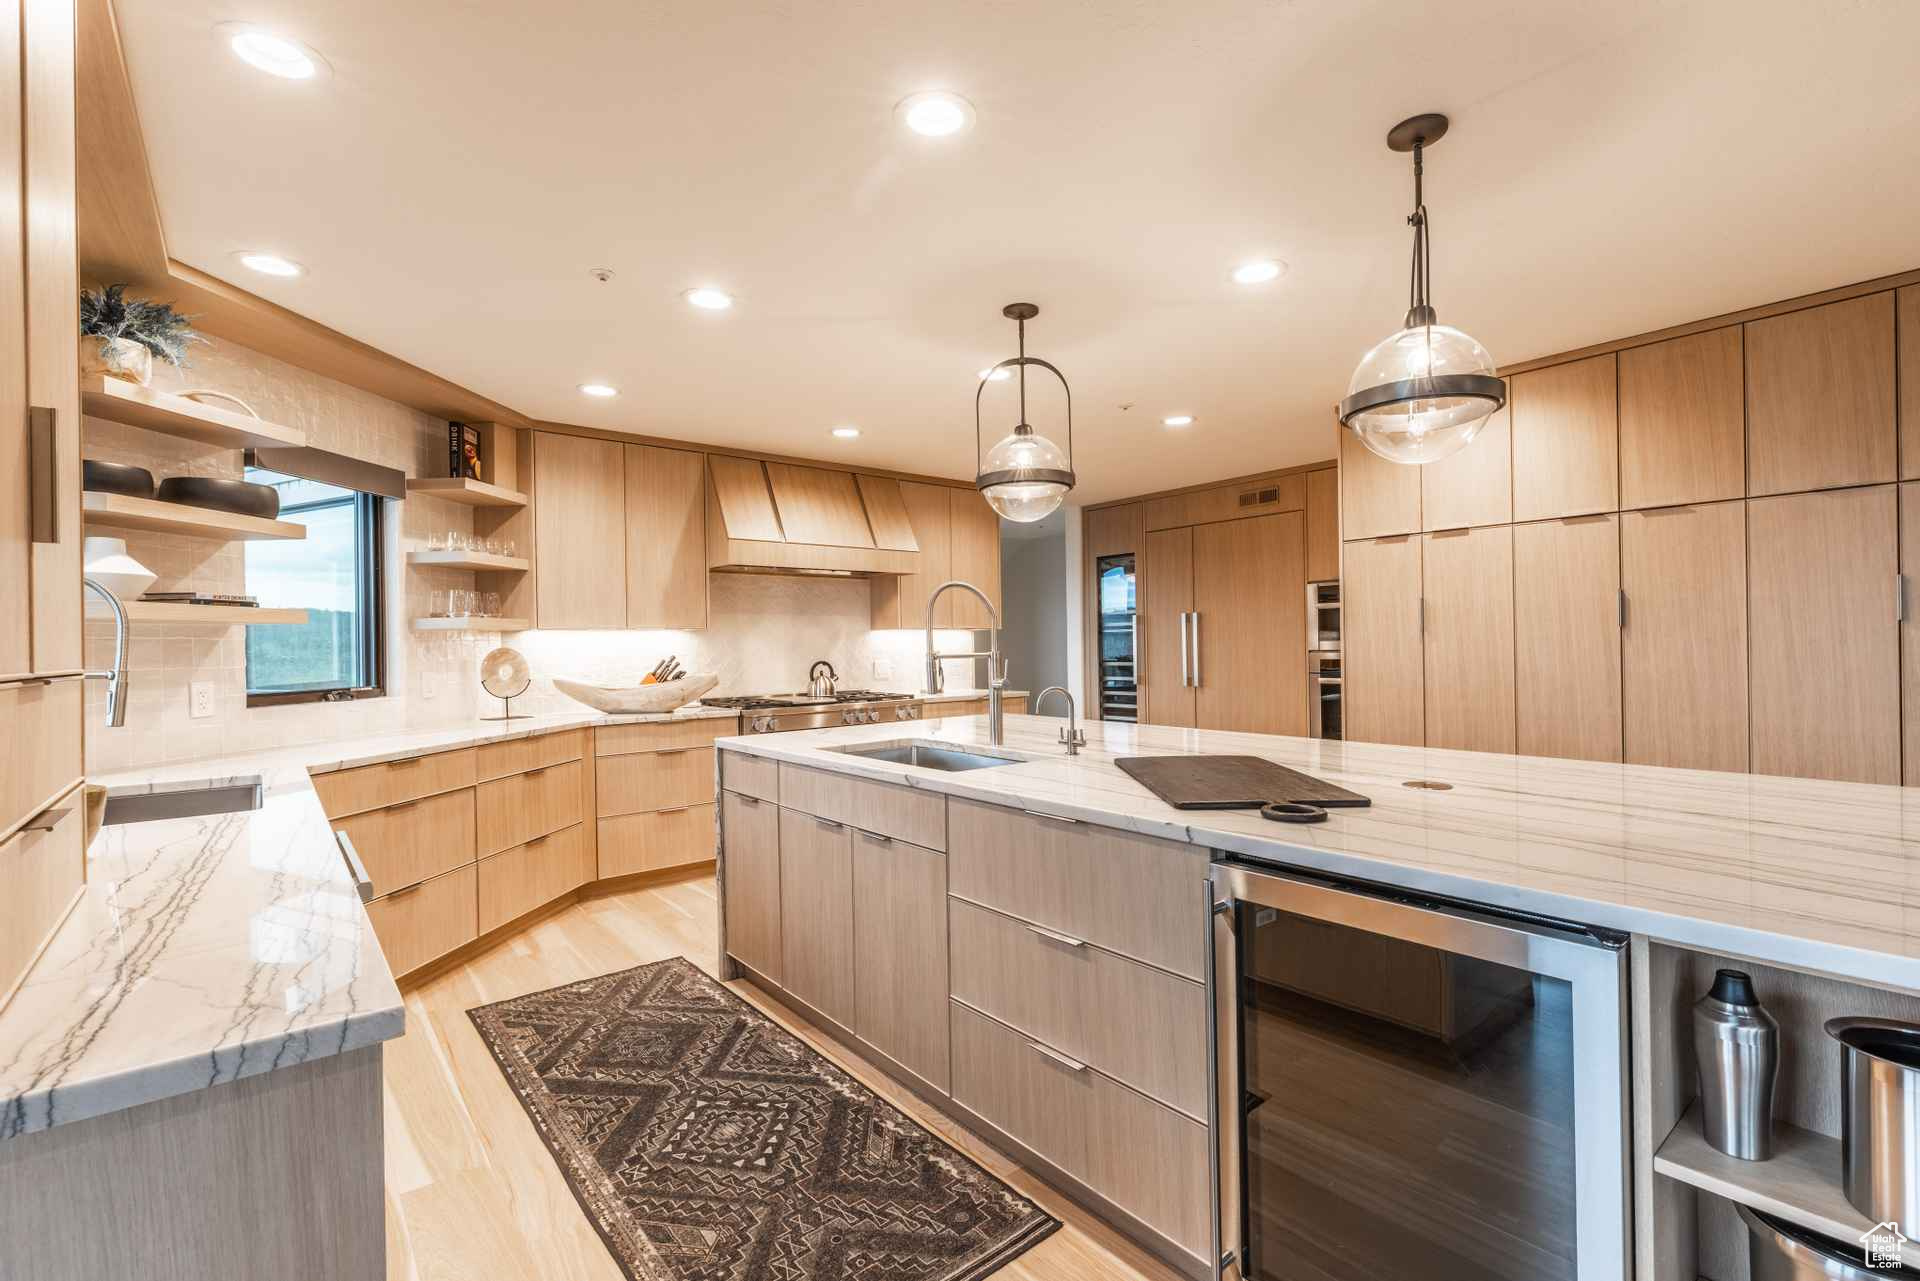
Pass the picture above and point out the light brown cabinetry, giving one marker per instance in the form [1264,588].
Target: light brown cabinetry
[580,531]
[1910,630]
[900,952]
[516,881]
[1820,397]
[1377,497]
[666,544]
[426,921]
[1683,421]
[1683,662]
[751,882]
[1907,304]
[1824,647]
[976,557]
[1565,440]
[40,747]
[350,791]
[1165,655]
[903,812]
[654,794]
[405,844]
[22,485]
[1566,613]
[1249,581]
[900,600]
[44,865]
[1382,654]
[1323,525]
[819,506]
[1473,486]
[656,840]
[1259,496]
[816,896]
[1467,639]
[512,811]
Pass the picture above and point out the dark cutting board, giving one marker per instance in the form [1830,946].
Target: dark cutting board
[1231,782]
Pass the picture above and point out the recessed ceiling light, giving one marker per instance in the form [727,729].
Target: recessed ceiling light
[936,113]
[602,390]
[846,433]
[271,264]
[1259,271]
[995,375]
[1178,420]
[708,298]
[274,54]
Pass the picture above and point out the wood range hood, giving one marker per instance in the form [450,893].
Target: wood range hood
[784,518]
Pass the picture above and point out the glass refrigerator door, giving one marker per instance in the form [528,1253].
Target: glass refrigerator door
[1119,639]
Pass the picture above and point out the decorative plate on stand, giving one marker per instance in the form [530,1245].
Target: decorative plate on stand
[505,675]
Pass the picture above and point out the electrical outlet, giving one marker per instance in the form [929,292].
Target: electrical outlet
[430,685]
[200,699]
[882,669]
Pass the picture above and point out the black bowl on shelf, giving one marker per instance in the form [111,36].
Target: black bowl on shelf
[241,497]
[97,477]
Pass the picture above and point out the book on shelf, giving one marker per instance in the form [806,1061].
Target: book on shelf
[463,451]
[199,598]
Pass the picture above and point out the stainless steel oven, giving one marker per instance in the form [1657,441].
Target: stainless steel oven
[1323,696]
[1323,616]
[1413,1087]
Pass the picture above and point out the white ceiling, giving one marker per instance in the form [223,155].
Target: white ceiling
[1612,168]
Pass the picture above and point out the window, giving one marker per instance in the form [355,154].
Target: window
[335,575]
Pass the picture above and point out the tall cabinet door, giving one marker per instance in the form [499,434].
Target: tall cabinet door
[900,600]
[1164,640]
[1566,634]
[666,520]
[1910,628]
[1383,696]
[976,556]
[900,952]
[16,496]
[1467,595]
[1250,624]
[1825,649]
[1683,660]
[816,899]
[580,531]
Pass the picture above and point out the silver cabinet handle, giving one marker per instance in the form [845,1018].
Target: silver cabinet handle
[43,474]
[875,837]
[1057,818]
[361,881]
[1065,939]
[1623,607]
[744,799]
[672,751]
[677,809]
[1899,598]
[1186,676]
[827,822]
[1195,616]
[1072,1065]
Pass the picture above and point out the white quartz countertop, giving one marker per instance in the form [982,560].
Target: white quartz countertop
[208,949]
[1795,872]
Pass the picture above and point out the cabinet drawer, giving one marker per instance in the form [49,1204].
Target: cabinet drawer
[514,882]
[41,873]
[750,880]
[426,922]
[654,780]
[1137,1024]
[1150,1161]
[517,756]
[617,740]
[372,787]
[1012,1082]
[957,707]
[900,812]
[1131,894]
[414,840]
[512,811]
[40,750]
[750,775]
[661,838]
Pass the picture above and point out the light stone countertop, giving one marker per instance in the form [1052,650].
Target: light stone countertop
[1800,873]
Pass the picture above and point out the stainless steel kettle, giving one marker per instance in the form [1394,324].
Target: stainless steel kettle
[821,685]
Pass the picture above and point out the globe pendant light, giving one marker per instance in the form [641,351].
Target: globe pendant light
[1424,392]
[1025,476]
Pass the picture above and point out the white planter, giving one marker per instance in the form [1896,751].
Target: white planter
[116,358]
[108,564]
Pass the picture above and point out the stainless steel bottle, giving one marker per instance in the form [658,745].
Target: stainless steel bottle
[1737,1045]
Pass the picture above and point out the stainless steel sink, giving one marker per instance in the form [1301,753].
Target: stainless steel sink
[184,800]
[927,756]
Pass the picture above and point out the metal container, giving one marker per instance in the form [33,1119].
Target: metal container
[1880,1117]
[1737,1047]
[1779,1251]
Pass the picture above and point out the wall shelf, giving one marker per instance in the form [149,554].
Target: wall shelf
[474,493]
[120,511]
[159,611]
[485,562]
[474,623]
[120,401]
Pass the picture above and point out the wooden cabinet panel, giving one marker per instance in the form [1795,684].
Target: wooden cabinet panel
[1259,496]
[512,811]
[1474,486]
[40,748]
[580,531]
[351,791]
[1323,525]
[920,817]
[887,513]
[516,881]
[615,740]
[1820,397]
[1165,600]
[1566,616]
[654,780]
[1383,691]
[1249,597]
[1683,426]
[750,881]
[405,844]
[16,475]
[1910,628]
[1114,531]
[1908,305]
[428,921]
[900,600]
[1151,1161]
[900,953]
[819,506]
[740,492]
[1566,438]
[976,556]
[816,894]
[1824,660]
[1467,638]
[518,755]
[44,872]
[757,776]
[656,840]
[1040,1100]
[1683,661]
[1376,497]
[666,538]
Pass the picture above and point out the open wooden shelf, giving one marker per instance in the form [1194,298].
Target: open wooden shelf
[1800,1183]
[122,512]
[120,401]
[483,561]
[474,493]
[473,623]
[160,611]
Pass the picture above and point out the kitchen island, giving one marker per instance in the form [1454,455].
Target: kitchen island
[1023,943]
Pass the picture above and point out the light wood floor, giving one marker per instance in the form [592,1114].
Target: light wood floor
[471,1190]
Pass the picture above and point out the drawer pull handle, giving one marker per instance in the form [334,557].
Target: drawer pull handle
[744,799]
[46,820]
[673,751]
[678,809]
[827,822]
[874,836]
[1072,1065]
[404,761]
[535,773]
[406,889]
[1057,818]
[538,840]
[403,805]
[362,883]
[1065,939]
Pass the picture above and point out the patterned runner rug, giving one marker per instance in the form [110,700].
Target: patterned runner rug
[706,1143]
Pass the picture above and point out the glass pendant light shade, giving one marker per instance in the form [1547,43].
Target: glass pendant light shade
[1025,477]
[1421,394]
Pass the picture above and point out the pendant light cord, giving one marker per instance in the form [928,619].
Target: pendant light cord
[1420,283]
[1023,372]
